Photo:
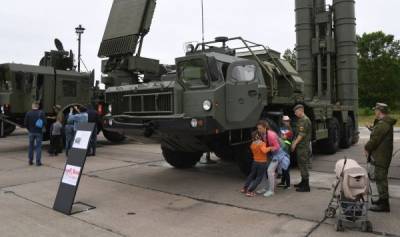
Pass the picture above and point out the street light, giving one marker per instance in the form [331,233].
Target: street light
[79,30]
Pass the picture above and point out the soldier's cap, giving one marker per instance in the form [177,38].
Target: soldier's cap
[384,108]
[286,118]
[299,106]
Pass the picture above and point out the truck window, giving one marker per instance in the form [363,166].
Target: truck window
[244,73]
[19,81]
[69,88]
[224,69]
[29,83]
[39,86]
[3,81]
[193,73]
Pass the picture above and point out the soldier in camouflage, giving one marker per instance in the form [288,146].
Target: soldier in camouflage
[379,149]
[301,145]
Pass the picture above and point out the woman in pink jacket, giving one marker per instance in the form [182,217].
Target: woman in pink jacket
[271,139]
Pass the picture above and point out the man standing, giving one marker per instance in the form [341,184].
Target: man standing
[35,121]
[301,145]
[380,148]
[79,117]
[92,118]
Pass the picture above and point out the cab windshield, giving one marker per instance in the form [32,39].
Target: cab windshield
[193,73]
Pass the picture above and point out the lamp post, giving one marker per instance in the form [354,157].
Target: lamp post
[79,30]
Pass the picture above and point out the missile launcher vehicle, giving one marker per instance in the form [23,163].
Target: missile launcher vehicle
[220,89]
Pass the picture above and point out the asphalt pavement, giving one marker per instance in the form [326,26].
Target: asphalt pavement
[135,193]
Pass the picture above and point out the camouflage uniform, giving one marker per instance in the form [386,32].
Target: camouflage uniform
[303,129]
[380,146]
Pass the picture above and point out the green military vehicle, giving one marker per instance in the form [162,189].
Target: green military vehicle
[219,92]
[54,82]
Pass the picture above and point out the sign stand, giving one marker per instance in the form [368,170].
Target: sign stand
[73,169]
[1,128]
[1,122]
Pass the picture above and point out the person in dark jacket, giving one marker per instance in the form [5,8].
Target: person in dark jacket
[93,117]
[34,122]
[379,149]
[56,137]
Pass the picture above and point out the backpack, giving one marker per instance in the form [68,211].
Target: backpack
[39,123]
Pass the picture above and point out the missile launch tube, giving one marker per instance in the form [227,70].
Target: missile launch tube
[304,35]
[346,46]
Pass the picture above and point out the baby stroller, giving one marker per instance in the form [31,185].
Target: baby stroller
[350,196]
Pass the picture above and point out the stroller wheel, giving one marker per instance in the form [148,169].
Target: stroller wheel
[339,226]
[330,212]
[366,226]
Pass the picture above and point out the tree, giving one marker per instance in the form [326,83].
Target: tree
[290,56]
[379,69]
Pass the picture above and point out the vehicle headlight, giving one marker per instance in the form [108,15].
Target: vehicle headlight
[193,123]
[207,105]
[110,122]
[110,108]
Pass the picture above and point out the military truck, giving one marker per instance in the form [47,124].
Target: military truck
[219,91]
[54,82]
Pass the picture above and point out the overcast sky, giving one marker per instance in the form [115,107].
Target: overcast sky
[27,28]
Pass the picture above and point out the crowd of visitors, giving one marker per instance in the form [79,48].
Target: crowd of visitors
[272,151]
[62,130]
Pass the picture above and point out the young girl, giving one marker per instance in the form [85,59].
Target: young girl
[286,138]
[259,150]
[284,165]
[276,156]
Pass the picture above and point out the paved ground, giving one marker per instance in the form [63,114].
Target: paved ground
[136,194]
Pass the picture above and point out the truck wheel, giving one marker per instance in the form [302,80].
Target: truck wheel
[224,153]
[243,157]
[180,159]
[331,144]
[356,138]
[8,129]
[347,134]
[113,137]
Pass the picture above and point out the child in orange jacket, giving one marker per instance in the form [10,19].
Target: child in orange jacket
[259,166]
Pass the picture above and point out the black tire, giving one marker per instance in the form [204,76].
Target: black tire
[347,134]
[180,159]
[243,157]
[331,144]
[330,212]
[8,129]
[356,138]
[113,137]
[225,153]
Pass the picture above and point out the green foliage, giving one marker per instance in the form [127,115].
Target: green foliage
[379,69]
[365,111]
[290,56]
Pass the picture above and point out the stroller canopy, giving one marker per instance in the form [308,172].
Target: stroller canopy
[353,178]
